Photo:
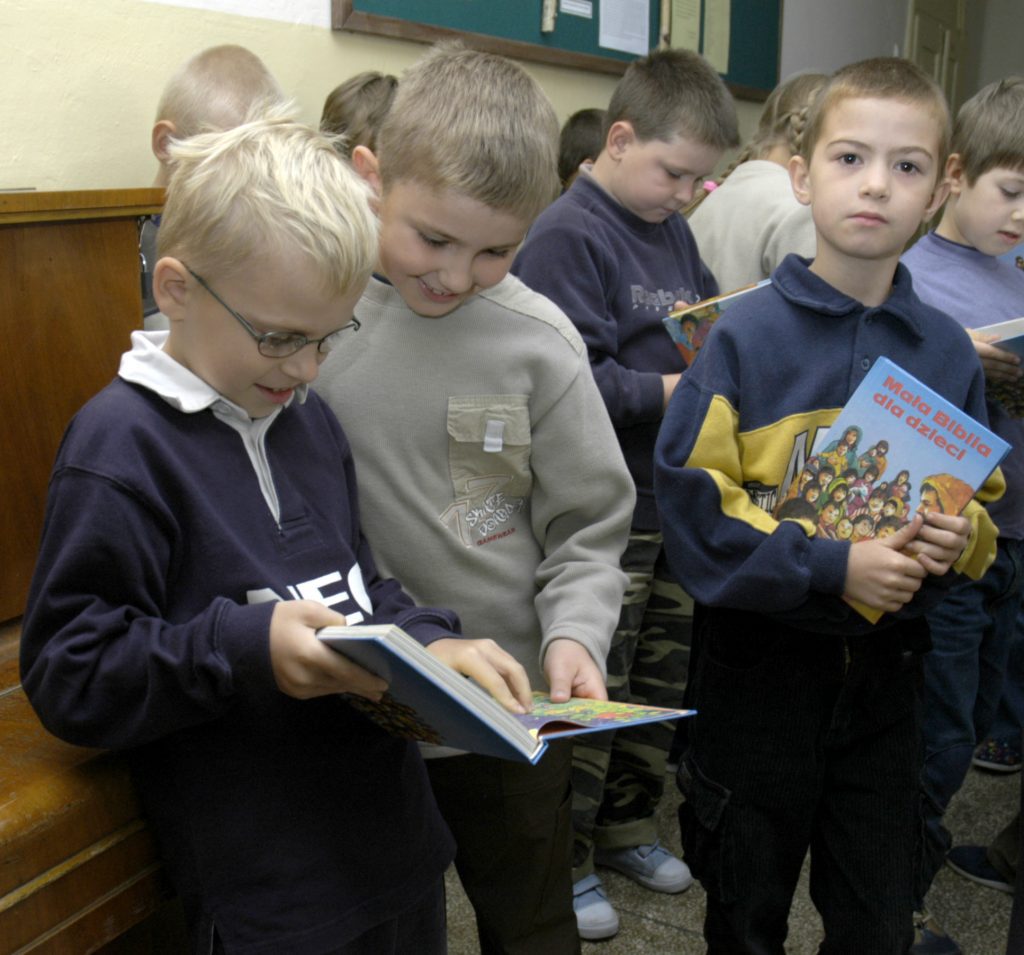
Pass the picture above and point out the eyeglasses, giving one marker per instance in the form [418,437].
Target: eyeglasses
[281,344]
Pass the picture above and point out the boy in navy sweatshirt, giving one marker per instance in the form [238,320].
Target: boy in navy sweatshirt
[201,525]
[614,254]
[808,727]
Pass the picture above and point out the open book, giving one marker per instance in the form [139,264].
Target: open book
[1011,338]
[428,700]
[688,327]
[897,448]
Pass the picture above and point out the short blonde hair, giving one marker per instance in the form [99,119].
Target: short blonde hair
[476,124]
[268,187]
[672,93]
[356,108]
[220,87]
[989,129]
[886,77]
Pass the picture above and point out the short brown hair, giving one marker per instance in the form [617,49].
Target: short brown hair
[475,123]
[672,93]
[580,139]
[356,108]
[989,129]
[884,77]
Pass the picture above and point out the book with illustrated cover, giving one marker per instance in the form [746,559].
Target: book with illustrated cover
[427,700]
[688,327]
[897,448]
[1010,338]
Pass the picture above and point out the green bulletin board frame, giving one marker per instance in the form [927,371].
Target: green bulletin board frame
[512,28]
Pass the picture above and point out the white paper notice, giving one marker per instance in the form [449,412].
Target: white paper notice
[625,26]
[685,33]
[716,33]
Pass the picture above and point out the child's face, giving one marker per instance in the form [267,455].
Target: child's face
[870,182]
[281,295]
[988,215]
[653,178]
[439,249]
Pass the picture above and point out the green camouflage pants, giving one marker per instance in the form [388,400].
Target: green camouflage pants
[618,777]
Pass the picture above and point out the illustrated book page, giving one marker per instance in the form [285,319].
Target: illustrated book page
[689,327]
[428,701]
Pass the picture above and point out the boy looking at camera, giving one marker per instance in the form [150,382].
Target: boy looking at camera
[808,729]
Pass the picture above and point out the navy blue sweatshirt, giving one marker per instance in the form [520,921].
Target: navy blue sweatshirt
[774,372]
[289,826]
[616,276]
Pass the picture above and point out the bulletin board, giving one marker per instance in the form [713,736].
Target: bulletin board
[513,28]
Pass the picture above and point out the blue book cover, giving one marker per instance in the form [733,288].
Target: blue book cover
[429,701]
[897,448]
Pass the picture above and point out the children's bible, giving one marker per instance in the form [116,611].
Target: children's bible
[1010,337]
[897,448]
[689,327]
[427,700]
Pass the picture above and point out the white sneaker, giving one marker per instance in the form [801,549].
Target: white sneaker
[654,867]
[595,917]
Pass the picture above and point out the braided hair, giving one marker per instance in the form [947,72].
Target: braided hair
[782,123]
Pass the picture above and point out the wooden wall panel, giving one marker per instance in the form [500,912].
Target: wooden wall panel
[69,299]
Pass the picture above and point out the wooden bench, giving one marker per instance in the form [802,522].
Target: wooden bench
[78,866]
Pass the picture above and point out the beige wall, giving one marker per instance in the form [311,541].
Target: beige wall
[81,81]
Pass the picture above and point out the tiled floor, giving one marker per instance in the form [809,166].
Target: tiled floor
[654,924]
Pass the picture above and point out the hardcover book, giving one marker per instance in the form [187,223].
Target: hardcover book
[689,327]
[897,448]
[429,701]
[1010,338]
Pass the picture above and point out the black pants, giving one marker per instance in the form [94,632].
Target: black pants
[513,830]
[802,742]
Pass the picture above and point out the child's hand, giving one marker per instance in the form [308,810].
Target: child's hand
[571,671]
[999,364]
[495,670]
[940,541]
[303,666]
[669,383]
[880,575]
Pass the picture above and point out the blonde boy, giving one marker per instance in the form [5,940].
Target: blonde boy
[489,474]
[808,730]
[218,88]
[614,253]
[201,525]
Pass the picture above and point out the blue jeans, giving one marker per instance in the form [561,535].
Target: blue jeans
[963,681]
[1009,721]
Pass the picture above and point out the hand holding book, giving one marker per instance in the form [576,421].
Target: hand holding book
[896,450]
[1001,350]
[428,700]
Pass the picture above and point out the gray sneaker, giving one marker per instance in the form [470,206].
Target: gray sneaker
[595,917]
[653,867]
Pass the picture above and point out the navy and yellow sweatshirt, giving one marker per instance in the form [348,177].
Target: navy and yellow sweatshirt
[772,374]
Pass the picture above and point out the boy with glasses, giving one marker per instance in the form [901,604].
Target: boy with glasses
[201,525]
